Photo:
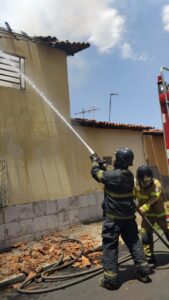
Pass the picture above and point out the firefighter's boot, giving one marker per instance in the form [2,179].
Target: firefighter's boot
[151,259]
[143,272]
[109,281]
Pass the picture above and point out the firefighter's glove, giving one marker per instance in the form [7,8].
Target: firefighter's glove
[145,208]
[102,164]
[142,212]
[94,157]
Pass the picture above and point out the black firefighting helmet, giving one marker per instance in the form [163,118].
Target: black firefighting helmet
[124,158]
[144,176]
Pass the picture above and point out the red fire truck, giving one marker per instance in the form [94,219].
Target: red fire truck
[163,90]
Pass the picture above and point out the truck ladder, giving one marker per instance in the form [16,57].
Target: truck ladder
[163,91]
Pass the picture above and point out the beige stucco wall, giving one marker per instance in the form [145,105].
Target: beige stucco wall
[45,159]
[32,137]
[155,152]
[105,142]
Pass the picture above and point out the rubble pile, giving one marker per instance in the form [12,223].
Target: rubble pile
[31,257]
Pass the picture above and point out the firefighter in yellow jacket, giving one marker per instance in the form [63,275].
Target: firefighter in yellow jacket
[148,192]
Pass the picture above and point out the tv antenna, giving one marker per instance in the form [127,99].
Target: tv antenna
[92,109]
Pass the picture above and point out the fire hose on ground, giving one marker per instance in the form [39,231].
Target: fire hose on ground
[90,273]
[84,275]
[152,227]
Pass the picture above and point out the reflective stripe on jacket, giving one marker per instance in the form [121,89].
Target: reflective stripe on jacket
[150,199]
[118,187]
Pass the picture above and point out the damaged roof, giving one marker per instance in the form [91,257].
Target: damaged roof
[108,125]
[69,47]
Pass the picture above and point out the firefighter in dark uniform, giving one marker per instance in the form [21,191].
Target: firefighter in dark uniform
[149,194]
[119,217]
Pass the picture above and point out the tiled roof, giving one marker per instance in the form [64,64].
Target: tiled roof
[69,47]
[108,125]
[153,132]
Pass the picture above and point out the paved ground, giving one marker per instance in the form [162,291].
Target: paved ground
[130,288]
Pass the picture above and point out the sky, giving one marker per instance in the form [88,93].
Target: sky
[129,43]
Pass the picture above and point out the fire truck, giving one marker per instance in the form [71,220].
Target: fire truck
[163,91]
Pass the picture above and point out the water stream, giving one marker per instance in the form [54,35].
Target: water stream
[46,100]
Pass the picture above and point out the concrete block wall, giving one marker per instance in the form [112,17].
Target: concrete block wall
[30,221]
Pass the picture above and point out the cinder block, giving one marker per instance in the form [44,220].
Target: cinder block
[2,232]
[40,234]
[91,198]
[83,202]
[63,204]
[84,214]
[26,211]
[39,224]
[2,244]
[99,211]
[11,213]
[26,226]
[63,219]
[26,238]
[51,207]
[73,216]
[73,202]
[99,197]
[1,217]
[39,208]
[93,213]
[52,221]
[12,230]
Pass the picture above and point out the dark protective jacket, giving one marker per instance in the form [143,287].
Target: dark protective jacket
[118,187]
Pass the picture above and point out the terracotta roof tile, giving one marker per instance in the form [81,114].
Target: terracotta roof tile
[69,47]
[108,125]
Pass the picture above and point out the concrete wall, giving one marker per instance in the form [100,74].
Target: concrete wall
[31,221]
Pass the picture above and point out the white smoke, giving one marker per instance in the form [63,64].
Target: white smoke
[96,21]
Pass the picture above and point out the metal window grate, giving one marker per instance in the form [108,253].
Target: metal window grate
[3,183]
[8,76]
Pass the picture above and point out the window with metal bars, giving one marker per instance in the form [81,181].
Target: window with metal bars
[11,70]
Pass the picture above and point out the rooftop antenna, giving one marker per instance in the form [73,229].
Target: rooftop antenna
[92,109]
[111,94]
[8,26]
[10,30]
[24,33]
